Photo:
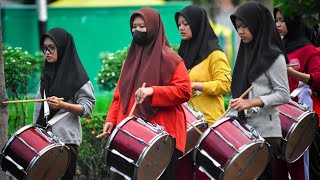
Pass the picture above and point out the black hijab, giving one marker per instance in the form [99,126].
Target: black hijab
[203,40]
[257,56]
[296,37]
[65,77]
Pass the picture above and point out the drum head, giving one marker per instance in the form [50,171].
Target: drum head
[156,158]
[300,137]
[51,163]
[249,163]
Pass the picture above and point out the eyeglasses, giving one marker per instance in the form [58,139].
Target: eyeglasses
[51,49]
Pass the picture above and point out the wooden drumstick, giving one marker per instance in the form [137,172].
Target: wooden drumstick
[131,111]
[29,100]
[101,135]
[243,95]
[197,129]
[292,65]
[135,103]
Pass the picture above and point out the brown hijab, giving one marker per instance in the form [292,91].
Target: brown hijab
[153,63]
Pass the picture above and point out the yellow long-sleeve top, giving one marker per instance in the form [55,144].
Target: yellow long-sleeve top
[212,72]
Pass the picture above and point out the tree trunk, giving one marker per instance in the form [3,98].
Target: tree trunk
[3,108]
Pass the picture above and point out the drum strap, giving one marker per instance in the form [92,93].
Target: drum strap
[297,91]
[57,117]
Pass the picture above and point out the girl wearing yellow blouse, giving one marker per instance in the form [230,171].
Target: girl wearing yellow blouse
[208,66]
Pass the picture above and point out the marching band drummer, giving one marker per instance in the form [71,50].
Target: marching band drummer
[301,51]
[261,62]
[64,76]
[209,71]
[150,60]
[208,65]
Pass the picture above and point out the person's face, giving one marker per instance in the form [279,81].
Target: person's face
[50,50]
[139,24]
[184,28]
[243,31]
[281,25]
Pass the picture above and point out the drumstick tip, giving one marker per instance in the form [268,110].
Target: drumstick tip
[102,134]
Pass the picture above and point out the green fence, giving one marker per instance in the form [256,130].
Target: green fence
[95,29]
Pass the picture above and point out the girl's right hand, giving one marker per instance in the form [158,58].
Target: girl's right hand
[107,129]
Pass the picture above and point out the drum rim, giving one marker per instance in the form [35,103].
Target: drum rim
[198,122]
[290,132]
[147,148]
[241,150]
[206,132]
[195,113]
[43,151]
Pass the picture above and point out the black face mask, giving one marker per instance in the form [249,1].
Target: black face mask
[140,37]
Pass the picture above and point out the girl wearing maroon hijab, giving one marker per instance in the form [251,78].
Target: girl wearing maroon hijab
[150,60]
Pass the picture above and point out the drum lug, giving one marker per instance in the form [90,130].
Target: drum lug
[16,164]
[138,139]
[288,116]
[31,148]
[119,172]
[154,127]
[248,134]
[131,161]
[206,172]
[40,131]
[11,175]
[221,137]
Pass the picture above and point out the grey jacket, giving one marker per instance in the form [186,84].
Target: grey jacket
[273,89]
[69,129]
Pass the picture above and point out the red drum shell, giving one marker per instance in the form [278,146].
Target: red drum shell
[32,154]
[227,151]
[195,118]
[298,130]
[136,150]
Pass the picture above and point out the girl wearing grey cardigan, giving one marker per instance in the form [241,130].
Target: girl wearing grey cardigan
[261,62]
[64,76]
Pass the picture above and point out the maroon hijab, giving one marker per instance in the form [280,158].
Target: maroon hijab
[154,63]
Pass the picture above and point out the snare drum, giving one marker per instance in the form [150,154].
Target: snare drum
[230,150]
[139,150]
[194,118]
[299,127]
[33,153]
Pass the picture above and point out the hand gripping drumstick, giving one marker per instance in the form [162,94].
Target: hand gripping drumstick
[30,100]
[135,102]
[131,111]
[242,95]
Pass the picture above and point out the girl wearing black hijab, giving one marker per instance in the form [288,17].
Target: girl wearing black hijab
[307,73]
[208,65]
[64,76]
[261,63]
